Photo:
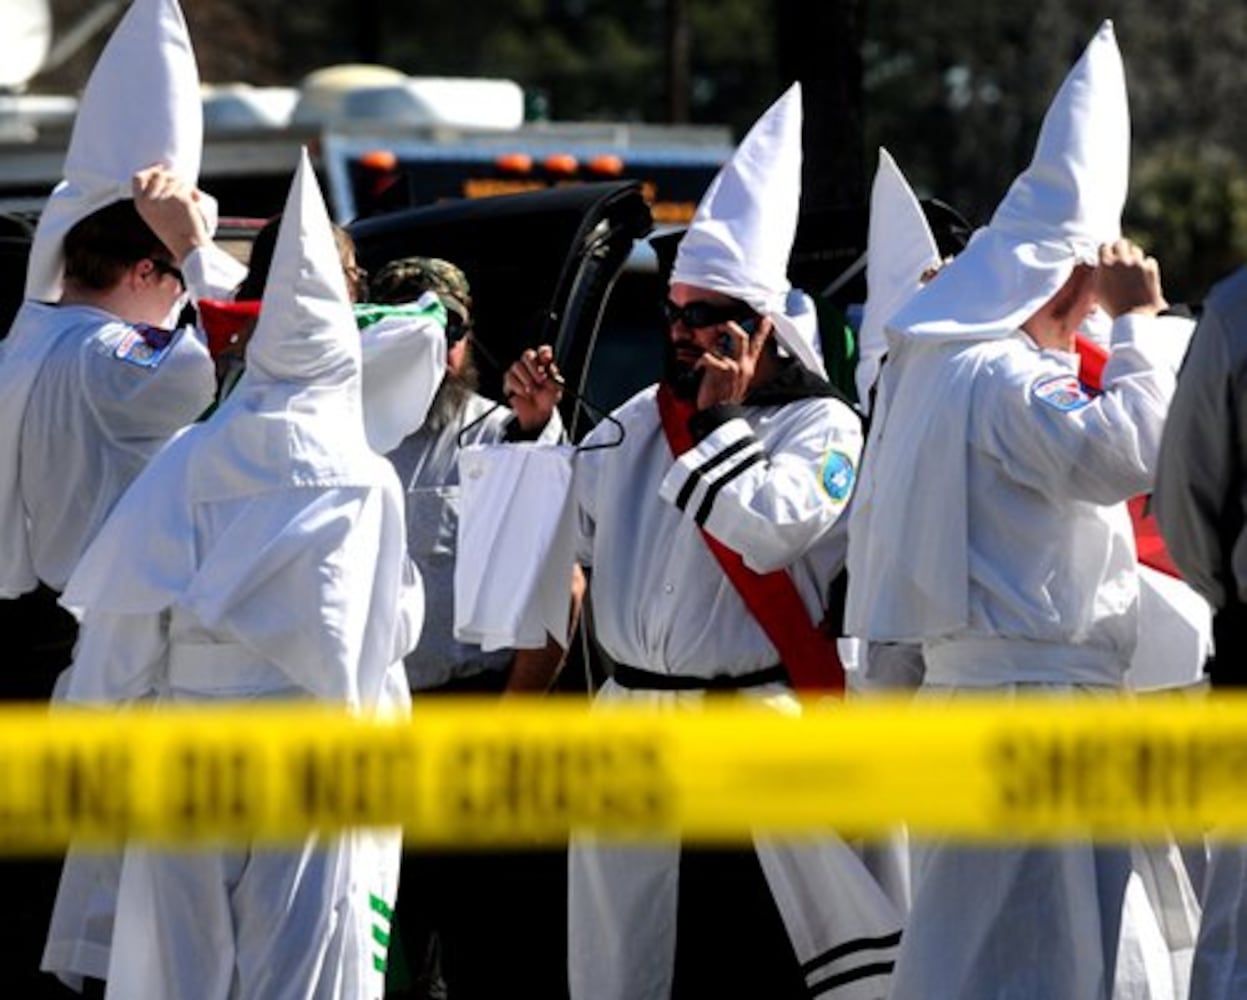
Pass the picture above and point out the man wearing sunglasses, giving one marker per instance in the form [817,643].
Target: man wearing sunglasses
[715,347]
[728,483]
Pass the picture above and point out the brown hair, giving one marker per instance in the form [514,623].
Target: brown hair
[261,260]
[99,248]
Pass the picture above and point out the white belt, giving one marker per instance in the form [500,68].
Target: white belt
[987,662]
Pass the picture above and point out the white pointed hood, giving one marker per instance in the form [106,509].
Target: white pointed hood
[741,237]
[140,107]
[899,250]
[306,332]
[1055,215]
[909,576]
[295,418]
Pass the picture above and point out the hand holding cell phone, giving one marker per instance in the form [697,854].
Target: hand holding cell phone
[729,365]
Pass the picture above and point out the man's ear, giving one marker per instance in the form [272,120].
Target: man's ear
[141,270]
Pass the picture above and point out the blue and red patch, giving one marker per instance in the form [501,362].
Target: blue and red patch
[1061,392]
[145,346]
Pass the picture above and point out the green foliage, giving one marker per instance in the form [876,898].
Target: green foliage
[957,91]
[1189,209]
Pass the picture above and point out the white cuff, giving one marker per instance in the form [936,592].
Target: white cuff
[211,273]
[1162,340]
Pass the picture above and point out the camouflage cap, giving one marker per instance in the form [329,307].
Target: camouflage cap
[407,278]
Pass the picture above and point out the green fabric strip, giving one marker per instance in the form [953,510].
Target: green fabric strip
[380,906]
[369,313]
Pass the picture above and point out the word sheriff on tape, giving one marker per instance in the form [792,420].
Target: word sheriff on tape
[530,772]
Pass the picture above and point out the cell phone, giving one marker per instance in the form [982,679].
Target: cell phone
[725,345]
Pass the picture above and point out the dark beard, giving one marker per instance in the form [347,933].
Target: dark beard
[453,394]
[682,377]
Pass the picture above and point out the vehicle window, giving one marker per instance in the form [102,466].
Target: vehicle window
[628,349]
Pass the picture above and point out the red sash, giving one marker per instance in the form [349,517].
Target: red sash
[1147,539]
[222,321]
[810,657]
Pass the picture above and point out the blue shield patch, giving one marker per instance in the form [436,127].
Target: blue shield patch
[838,476]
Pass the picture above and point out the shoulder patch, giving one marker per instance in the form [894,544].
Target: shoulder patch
[144,346]
[1061,392]
[837,475]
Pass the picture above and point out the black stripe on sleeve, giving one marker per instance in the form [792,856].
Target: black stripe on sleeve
[849,947]
[852,976]
[703,512]
[695,476]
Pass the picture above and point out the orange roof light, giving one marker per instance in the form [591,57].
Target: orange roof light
[608,165]
[514,163]
[379,159]
[561,163]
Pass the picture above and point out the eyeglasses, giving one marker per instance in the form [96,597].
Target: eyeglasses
[699,314]
[458,321]
[163,267]
[456,328]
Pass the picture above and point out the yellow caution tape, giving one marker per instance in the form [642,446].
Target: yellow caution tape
[528,773]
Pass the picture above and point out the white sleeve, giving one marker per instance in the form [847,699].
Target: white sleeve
[770,502]
[553,431]
[141,394]
[118,658]
[1050,434]
[211,273]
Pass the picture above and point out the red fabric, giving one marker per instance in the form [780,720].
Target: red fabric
[810,657]
[222,321]
[1091,361]
[1147,540]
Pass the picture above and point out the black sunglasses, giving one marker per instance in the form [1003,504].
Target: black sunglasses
[162,267]
[699,314]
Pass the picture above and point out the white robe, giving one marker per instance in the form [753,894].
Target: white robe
[262,554]
[85,405]
[666,607]
[115,415]
[1051,600]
